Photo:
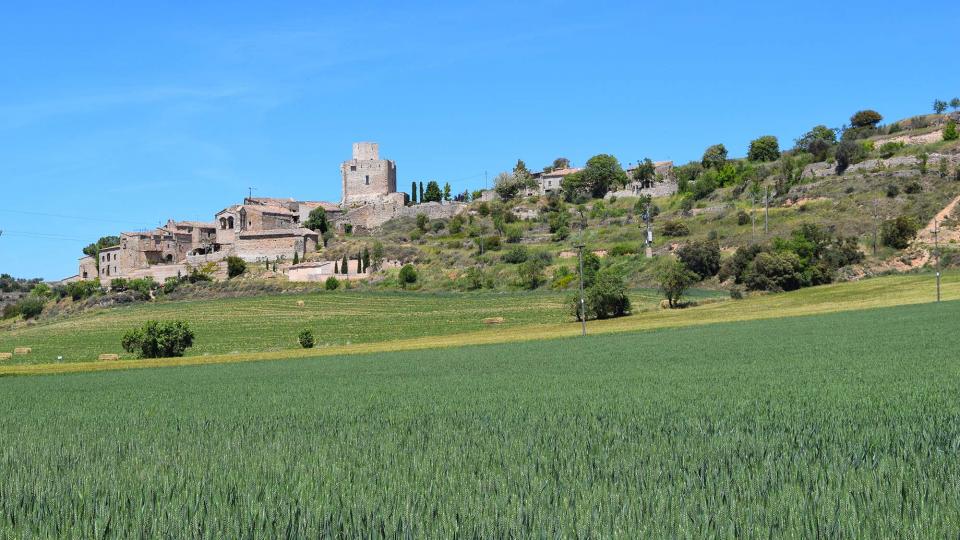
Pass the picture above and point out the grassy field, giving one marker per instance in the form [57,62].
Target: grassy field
[271,323]
[839,425]
[438,320]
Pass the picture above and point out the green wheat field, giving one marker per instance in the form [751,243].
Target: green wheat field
[840,425]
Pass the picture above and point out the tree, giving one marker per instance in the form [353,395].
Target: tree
[520,168]
[421,192]
[602,173]
[950,131]
[332,282]
[702,257]
[819,138]
[433,193]
[378,255]
[296,257]
[446,191]
[955,103]
[413,192]
[506,185]
[317,220]
[848,153]
[644,172]
[422,222]
[781,271]
[560,163]
[235,266]
[336,267]
[866,118]
[939,106]
[675,228]
[898,232]
[408,275]
[765,148]
[93,250]
[305,338]
[344,269]
[531,273]
[366,258]
[159,339]
[674,278]
[714,157]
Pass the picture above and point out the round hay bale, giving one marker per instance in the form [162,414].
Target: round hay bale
[108,356]
[493,320]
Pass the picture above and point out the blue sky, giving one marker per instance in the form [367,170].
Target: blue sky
[117,116]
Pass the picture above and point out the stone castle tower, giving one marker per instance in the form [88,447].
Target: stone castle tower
[366,177]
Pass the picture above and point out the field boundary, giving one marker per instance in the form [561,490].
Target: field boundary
[879,292]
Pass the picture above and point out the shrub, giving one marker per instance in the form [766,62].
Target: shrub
[674,278]
[30,307]
[78,290]
[236,266]
[408,275]
[892,191]
[605,299]
[769,271]
[317,220]
[913,187]
[531,273]
[742,218]
[675,228]
[848,153]
[489,243]
[702,257]
[305,338]
[898,232]
[516,255]
[159,339]
[422,222]
[620,250]
[456,224]
[473,278]
[514,233]
[950,131]
[765,148]
[348,228]
[332,283]
[888,149]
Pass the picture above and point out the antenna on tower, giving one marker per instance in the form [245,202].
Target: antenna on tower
[250,192]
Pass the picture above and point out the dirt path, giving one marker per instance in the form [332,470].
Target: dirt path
[918,254]
[926,235]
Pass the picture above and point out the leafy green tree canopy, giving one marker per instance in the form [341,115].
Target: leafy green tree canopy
[765,148]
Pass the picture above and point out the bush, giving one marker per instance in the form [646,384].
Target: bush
[888,149]
[30,307]
[332,283]
[159,339]
[514,233]
[78,290]
[950,131]
[774,272]
[305,338]
[456,224]
[489,243]
[675,228]
[408,275]
[516,255]
[674,278]
[236,266]
[605,299]
[765,148]
[742,217]
[620,250]
[531,273]
[473,279]
[898,232]
[848,153]
[892,191]
[701,257]
[422,222]
[913,187]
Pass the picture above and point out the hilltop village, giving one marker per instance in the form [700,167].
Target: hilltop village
[265,229]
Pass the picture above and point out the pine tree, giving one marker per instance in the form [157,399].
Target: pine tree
[343,265]
[446,191]
[413,192]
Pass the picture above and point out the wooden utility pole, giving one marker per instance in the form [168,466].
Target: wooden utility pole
[583,309]
[936,252]
[766,210]
[876,224]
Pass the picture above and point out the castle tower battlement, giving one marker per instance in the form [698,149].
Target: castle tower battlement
[366,177]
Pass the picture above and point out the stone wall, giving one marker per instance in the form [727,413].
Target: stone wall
[373,215]
[366,177]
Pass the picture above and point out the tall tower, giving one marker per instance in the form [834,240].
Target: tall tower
[366,177]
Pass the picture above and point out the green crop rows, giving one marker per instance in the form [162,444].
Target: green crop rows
[843,425]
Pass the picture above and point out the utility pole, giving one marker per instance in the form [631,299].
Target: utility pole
[583,310]
[646,217]
[753,216]
[876,224]
[766,210]
[936,251]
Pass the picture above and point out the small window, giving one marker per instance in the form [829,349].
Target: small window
[353,167]
[367,179]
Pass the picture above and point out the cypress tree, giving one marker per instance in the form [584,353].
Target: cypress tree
[359,266]
[343,265]
[296,257]
[413,192]
[421,191]
[366,258]
[336,267]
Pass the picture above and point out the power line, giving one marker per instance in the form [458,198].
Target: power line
[64,216]
[48,236]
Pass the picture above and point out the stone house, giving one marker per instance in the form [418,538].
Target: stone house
[552,181]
